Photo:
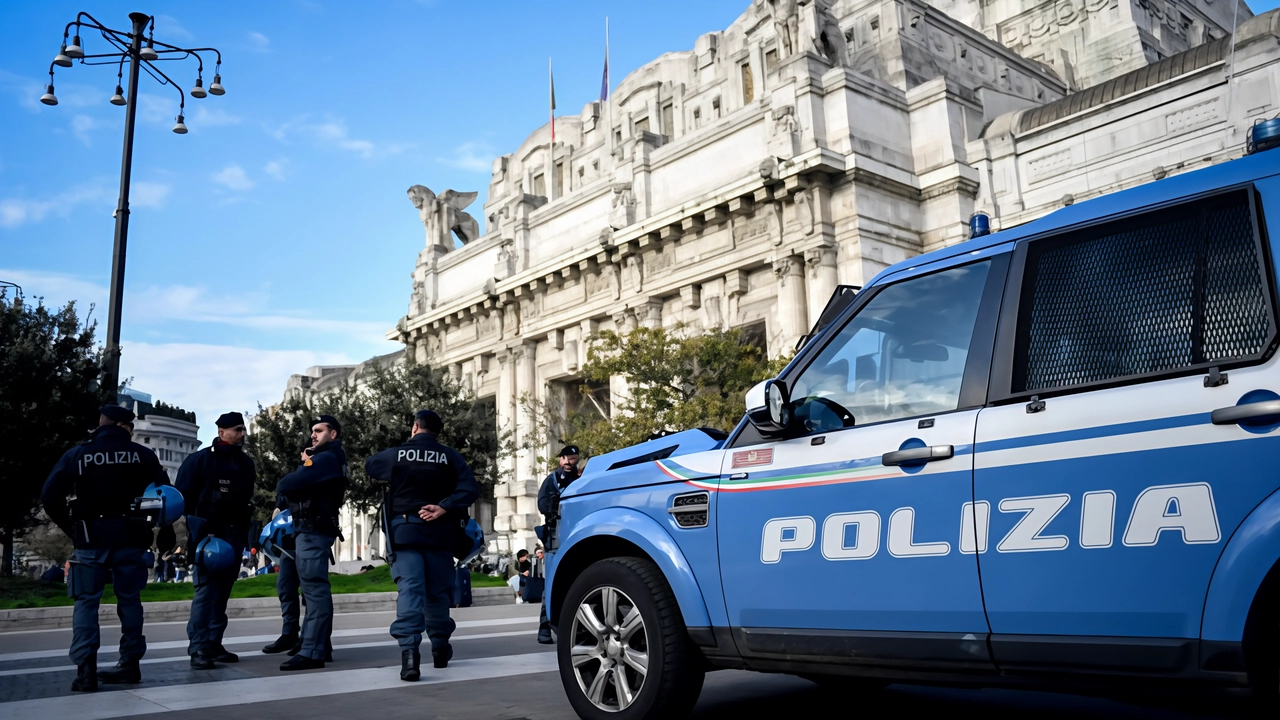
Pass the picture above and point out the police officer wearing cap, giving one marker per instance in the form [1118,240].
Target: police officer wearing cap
[105,475]
[431,488]
[549,506]
[314,494]
[217,485]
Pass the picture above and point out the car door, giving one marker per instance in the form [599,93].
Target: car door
[1108,482]
[844,534]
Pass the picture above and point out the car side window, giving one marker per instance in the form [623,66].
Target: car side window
[902,355]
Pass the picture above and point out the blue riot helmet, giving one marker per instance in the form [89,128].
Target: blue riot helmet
[161,503]
[215,555]
[272,539]
[470,542]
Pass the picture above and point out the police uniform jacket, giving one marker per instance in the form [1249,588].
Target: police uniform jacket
[314,491]
[552,486]
[424,472]
[217,487]
[105,474]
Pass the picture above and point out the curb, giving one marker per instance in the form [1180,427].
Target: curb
[178,610]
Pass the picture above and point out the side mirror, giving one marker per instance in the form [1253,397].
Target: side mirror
[769,406]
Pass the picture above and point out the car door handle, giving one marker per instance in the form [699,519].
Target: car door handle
[917,455]
[1248,411]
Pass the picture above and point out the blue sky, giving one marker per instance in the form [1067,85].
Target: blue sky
[276,235]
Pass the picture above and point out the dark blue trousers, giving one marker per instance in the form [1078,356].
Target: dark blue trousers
[312,560]
[208,619]
[89,568]
[425,580]
[287,590]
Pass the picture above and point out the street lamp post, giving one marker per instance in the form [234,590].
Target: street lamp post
[140,57]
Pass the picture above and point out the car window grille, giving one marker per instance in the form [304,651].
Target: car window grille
[1159,292]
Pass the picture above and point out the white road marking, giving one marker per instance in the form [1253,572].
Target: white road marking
[254,639]
[185,658]
[101,705]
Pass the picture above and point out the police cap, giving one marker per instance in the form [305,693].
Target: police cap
[229,420]
[428,420]
[117,414]
[568,450]
[329,420]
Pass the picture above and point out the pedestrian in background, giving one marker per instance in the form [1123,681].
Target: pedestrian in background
[549,506]
[430,489]
[105,475]
[314,494]
[217,485]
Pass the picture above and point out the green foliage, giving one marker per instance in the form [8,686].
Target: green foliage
[676,381]
[376,413]
[164,409]
[49,400]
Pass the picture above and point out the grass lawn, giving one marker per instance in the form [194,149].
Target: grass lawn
[24,593]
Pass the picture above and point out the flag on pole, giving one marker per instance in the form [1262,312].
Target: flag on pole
[552,75]
[604,81]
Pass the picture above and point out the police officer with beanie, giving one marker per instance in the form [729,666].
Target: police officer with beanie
[105,475]
[314,494]
[549,506]
[217,486]
[431,487]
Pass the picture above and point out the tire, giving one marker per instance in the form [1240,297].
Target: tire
[634,661]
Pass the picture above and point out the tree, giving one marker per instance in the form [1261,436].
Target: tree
[47,542]
[376,413]
[49,400]
[676,381]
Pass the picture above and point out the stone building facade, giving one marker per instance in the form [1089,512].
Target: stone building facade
[808,145]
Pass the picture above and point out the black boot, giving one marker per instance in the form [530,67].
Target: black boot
[301,662]
[223,655]
[86,676]
[282,643]
[297,648]
[440,656]
[125,672]
[409,660]
[544,634]
[202,661]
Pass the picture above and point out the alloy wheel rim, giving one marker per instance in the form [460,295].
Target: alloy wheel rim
[609,649]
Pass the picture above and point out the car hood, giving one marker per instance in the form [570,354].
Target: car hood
[638,465]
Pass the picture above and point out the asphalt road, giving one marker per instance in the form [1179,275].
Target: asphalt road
[499,671]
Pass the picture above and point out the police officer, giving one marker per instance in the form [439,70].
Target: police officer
[217,487]
[431,487]
[105,475]
[314,494]
[287,590]
[549,506]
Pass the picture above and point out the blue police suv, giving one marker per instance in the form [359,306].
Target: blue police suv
[1048,455]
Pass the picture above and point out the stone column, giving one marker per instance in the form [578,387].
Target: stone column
[820,264]
[793,320]
[526,392]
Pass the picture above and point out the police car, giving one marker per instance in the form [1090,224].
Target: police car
[1047,455]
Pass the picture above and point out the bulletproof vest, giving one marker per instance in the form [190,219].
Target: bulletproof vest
[317,508]
[110,472]
[226,494]
[423,474]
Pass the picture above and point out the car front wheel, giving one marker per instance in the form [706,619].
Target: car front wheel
[623,651]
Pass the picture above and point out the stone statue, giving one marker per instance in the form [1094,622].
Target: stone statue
[443,215]
[804,210]
[828,37]
[784,120]
[786,24]
[634,267]
[623,211]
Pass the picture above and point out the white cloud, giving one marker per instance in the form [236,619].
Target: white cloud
[148,194]
[168,29]
[213,379]
[472,156]
[203,117]
[156,109]
[58,289]
[80,127]
[234,177]
[259,42]
[332,132]
[20,211]
[276,168]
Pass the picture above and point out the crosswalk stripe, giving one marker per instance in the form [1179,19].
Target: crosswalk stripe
[255,639]
[184,658]
[168,698]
